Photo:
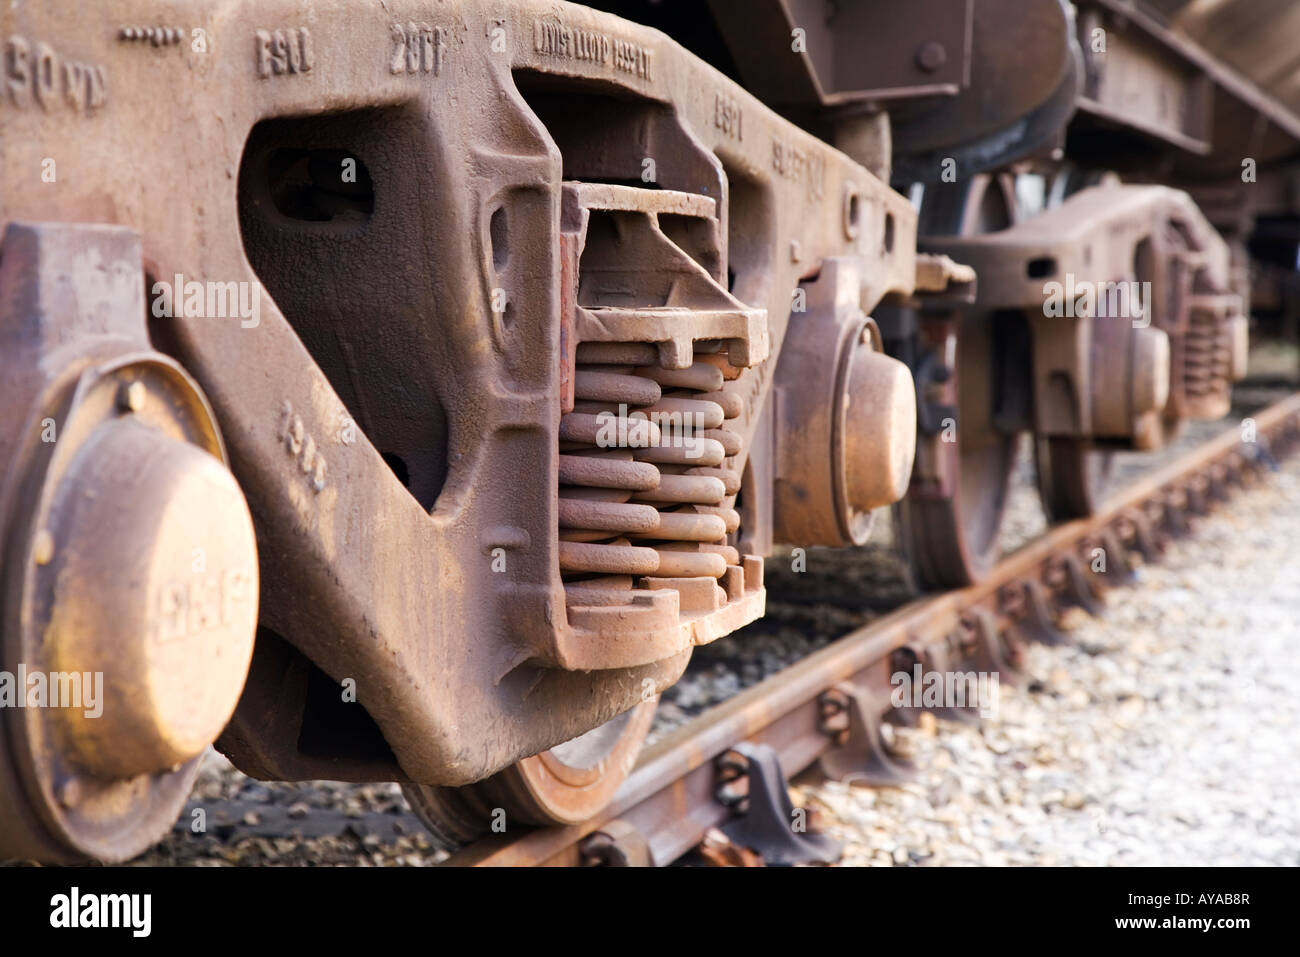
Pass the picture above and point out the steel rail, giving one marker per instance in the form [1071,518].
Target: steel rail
[669,801]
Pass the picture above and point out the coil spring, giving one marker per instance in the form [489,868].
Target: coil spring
[657,501]
[1207,351]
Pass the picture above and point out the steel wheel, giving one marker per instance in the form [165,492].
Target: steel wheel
[953,539]
[1073,477]
[570,783]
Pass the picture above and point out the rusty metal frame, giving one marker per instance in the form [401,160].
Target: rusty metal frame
[1116,234]
[392,322]
[1221,111]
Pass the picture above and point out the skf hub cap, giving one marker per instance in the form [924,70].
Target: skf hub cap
[142,573]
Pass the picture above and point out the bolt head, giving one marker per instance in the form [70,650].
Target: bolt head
[131,396]
[931,56]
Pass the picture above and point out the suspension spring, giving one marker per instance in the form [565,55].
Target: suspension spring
[646,483]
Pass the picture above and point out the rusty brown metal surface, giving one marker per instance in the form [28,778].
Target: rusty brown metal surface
[1254,37]
[656,507]
[1213,80]
[669,802]
[981,82]
[1112,88]
[833,467]
[130,581]
[1202,96]
[925,49]
[971,366]
[1134,79]
[1162,87]
[485,350]
[431,229]
[1117,367]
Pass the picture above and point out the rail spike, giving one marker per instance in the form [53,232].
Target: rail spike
[861,755]
[769,823]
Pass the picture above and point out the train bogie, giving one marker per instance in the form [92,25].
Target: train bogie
[402,392]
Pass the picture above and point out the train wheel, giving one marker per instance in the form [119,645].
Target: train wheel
[1073,477]
[952,537]
[570,783]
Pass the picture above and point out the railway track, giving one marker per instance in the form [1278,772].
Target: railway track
[824,713]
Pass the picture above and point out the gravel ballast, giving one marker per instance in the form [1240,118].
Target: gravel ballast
[1166,734]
